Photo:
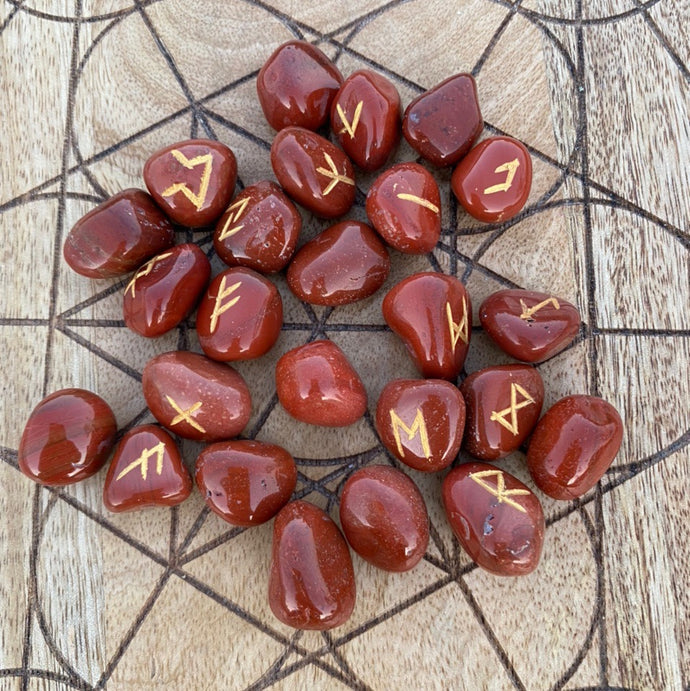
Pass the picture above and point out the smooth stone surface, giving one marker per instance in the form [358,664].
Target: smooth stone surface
[314,172]
[494,180]
[345,263]
[312,582]
[384,518]
[503,405]
[196,398]
[192,181]
[316,384]
[146,470]
[118,236]
[245,482]
[529,326]
[259,229]
[442,123]
[432,314]
[498,520]
[240,316]
[67,438]
[573,445]
[366,118]
[165,290]
[404,205]
[296,86]
[420,421]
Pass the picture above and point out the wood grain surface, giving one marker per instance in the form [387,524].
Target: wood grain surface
[599,90]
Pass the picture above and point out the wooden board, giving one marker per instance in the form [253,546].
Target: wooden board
[600,92]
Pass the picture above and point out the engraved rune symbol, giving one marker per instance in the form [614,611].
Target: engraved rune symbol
[527,312]
[219,308]
[499,489]
[143,461]
[196,199]
[185,415]
[347,127]
[510,167]
[144,271]
[459,330]
[418,425]
[418,200]
[226,231]
[333,174]
[501,415]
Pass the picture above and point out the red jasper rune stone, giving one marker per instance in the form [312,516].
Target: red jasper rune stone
[314,172]
[493,181]
[444,122]
[67,438]
[146,470]
[503,406]
[384,518]
[296,86]
[420,421]
[245,482]
[316,384]
[345,263]
[118,236]
[498,520]
[312,582]
[196,398]
[529,326]
[259,229]
[192,181]
[404,205]
[240,316]
[165,290]
[573,446]
[432,314]
[365,117]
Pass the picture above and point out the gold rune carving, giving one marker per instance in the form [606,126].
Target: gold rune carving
[418,426]
[185,415]
[459,330]
[418,200]
[347,127]
[499,489]
[527,312]
[511,168]
[219,308]
[143,461]
[333,174]
[196,199]
[144,271]
[501,415]
[228,232]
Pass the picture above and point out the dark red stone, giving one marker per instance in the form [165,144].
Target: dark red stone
[312,582]
[573,445]
[498,520]
[67,438]
[118,236]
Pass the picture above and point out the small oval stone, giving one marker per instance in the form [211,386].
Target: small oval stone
[192,181]
[259,229]
[118,236]
[146,470]
[245,482]
[314,172]
[404,205]
[366,117]
[432,314]
[311,582]
[498,520]
[420,421]
[196,398]
[67,438]
[240,316]
[345,263]
[384,518]
[573,445]
[165,290]
[296,86]
[316,384]
[503,405]
[529,326]
[442,123]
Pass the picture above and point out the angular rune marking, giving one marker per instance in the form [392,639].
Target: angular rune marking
[143,461]
[510,167]
[527,312]
[219,308]
[418,200]
[418,425]
[144,271]
[196,199]
[347,127]
[233,218]
[459,330]
[499,489]
[333,174]
[185,415]
[501,415]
